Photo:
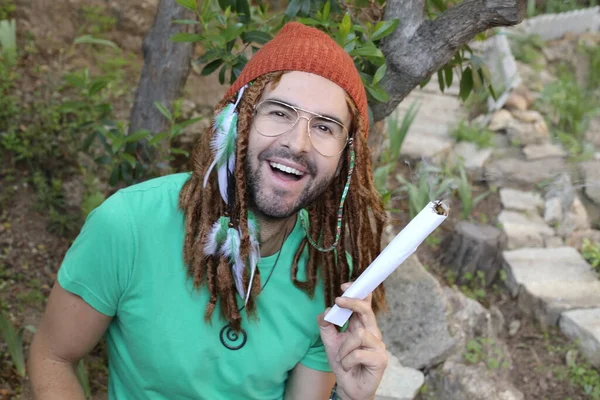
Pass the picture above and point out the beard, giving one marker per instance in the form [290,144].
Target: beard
[272,206]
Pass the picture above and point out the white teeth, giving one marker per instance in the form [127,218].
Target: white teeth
[283,168]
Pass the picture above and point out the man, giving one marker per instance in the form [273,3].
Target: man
[212,285]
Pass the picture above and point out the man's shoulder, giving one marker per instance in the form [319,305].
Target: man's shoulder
[157,186]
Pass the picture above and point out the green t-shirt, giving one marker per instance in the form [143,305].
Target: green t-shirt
[127,262]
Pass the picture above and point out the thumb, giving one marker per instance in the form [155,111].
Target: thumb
[327,329]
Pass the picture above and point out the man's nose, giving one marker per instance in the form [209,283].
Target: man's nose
[297,139]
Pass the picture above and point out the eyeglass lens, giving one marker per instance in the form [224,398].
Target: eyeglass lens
[273,119]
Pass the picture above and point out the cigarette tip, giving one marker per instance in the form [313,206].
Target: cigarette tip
[441,208]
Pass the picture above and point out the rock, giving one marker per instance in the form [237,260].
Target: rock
[415,329]
[399,382]
[583,326]
[524,230]
[550,281]
[553,241]
[474,158]
[516,102]
[514,326]
[500,120]
[527,116]
[525,93]
[528,132]
[539,151]
[468,316]
[590,171]
[576,218]
[553,211]
[425,146]
[592,135]
[456,381]
[576,239]
[513,199]
[498,321]
[510,170]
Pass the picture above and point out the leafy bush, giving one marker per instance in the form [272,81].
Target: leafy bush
[430,183]
[7,8]
[591,252]
[14,340]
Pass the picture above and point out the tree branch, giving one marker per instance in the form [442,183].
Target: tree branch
[420,47]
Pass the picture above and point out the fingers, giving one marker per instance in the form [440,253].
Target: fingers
[363,311]
[361,347]
[365,358]
[359,339]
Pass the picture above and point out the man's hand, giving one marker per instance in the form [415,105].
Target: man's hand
[356,356]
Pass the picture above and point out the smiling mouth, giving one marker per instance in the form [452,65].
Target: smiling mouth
[285,172]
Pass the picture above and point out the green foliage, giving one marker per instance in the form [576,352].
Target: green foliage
[593,52]
[464,189]
[429,183]
[585,376]
[96,20]
[591,252]
[466,132]
[485,350]
[474,285]
[7,8]
[8,41]
[570,108]
[396,133]
[528,49]
[228,28]
[14,340]
[82,377]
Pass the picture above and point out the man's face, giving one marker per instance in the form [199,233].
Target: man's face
[274,193]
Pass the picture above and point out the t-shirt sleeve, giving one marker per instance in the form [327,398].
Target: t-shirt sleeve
[316,358]
[99,264]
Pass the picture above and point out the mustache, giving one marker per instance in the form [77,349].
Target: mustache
[286,155]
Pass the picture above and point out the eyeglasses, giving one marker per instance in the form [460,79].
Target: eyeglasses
[274,118]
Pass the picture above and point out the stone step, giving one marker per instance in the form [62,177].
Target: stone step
[583,326]
[524,229]
[399,382]
[549,281]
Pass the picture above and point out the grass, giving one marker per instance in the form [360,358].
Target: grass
[528,49]
[466,132]
[591,253]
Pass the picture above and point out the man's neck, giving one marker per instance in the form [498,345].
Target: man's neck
[273,233]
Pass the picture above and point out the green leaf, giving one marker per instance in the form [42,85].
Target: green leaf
[243,9]
[440,5]
[449,75]
[130,159]
[189,4]
[440,76]
[293,8]
[367,51]
[345,27]
[492,92]
[222,74]
[184,37]
[164,110]
[232,31]
[256,36]
[326,10]
[179,151]
[88,39]
[305,9]
[308,21]
[379,74]
[384,28]
[159,137]
[137,136]
[97,86]
[211,67]
[14,342]
[185,22]
[378,93]
[466,83]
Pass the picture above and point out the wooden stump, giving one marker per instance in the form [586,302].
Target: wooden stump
[473,248]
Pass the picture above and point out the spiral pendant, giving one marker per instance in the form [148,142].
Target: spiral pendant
[231,339]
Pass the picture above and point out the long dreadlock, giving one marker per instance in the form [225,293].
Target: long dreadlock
[363,219]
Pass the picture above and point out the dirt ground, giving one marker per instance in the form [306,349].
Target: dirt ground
[30,256]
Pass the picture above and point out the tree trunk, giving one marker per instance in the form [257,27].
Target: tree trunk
[473,248]
[166,67]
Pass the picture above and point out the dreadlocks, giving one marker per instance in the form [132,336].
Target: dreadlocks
[363,219]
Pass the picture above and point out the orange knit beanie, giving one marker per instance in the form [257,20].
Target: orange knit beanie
[301,48]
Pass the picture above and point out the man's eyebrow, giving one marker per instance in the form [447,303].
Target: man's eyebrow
[336,119]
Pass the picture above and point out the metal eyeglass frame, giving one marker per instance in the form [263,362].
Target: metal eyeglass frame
[314,115]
